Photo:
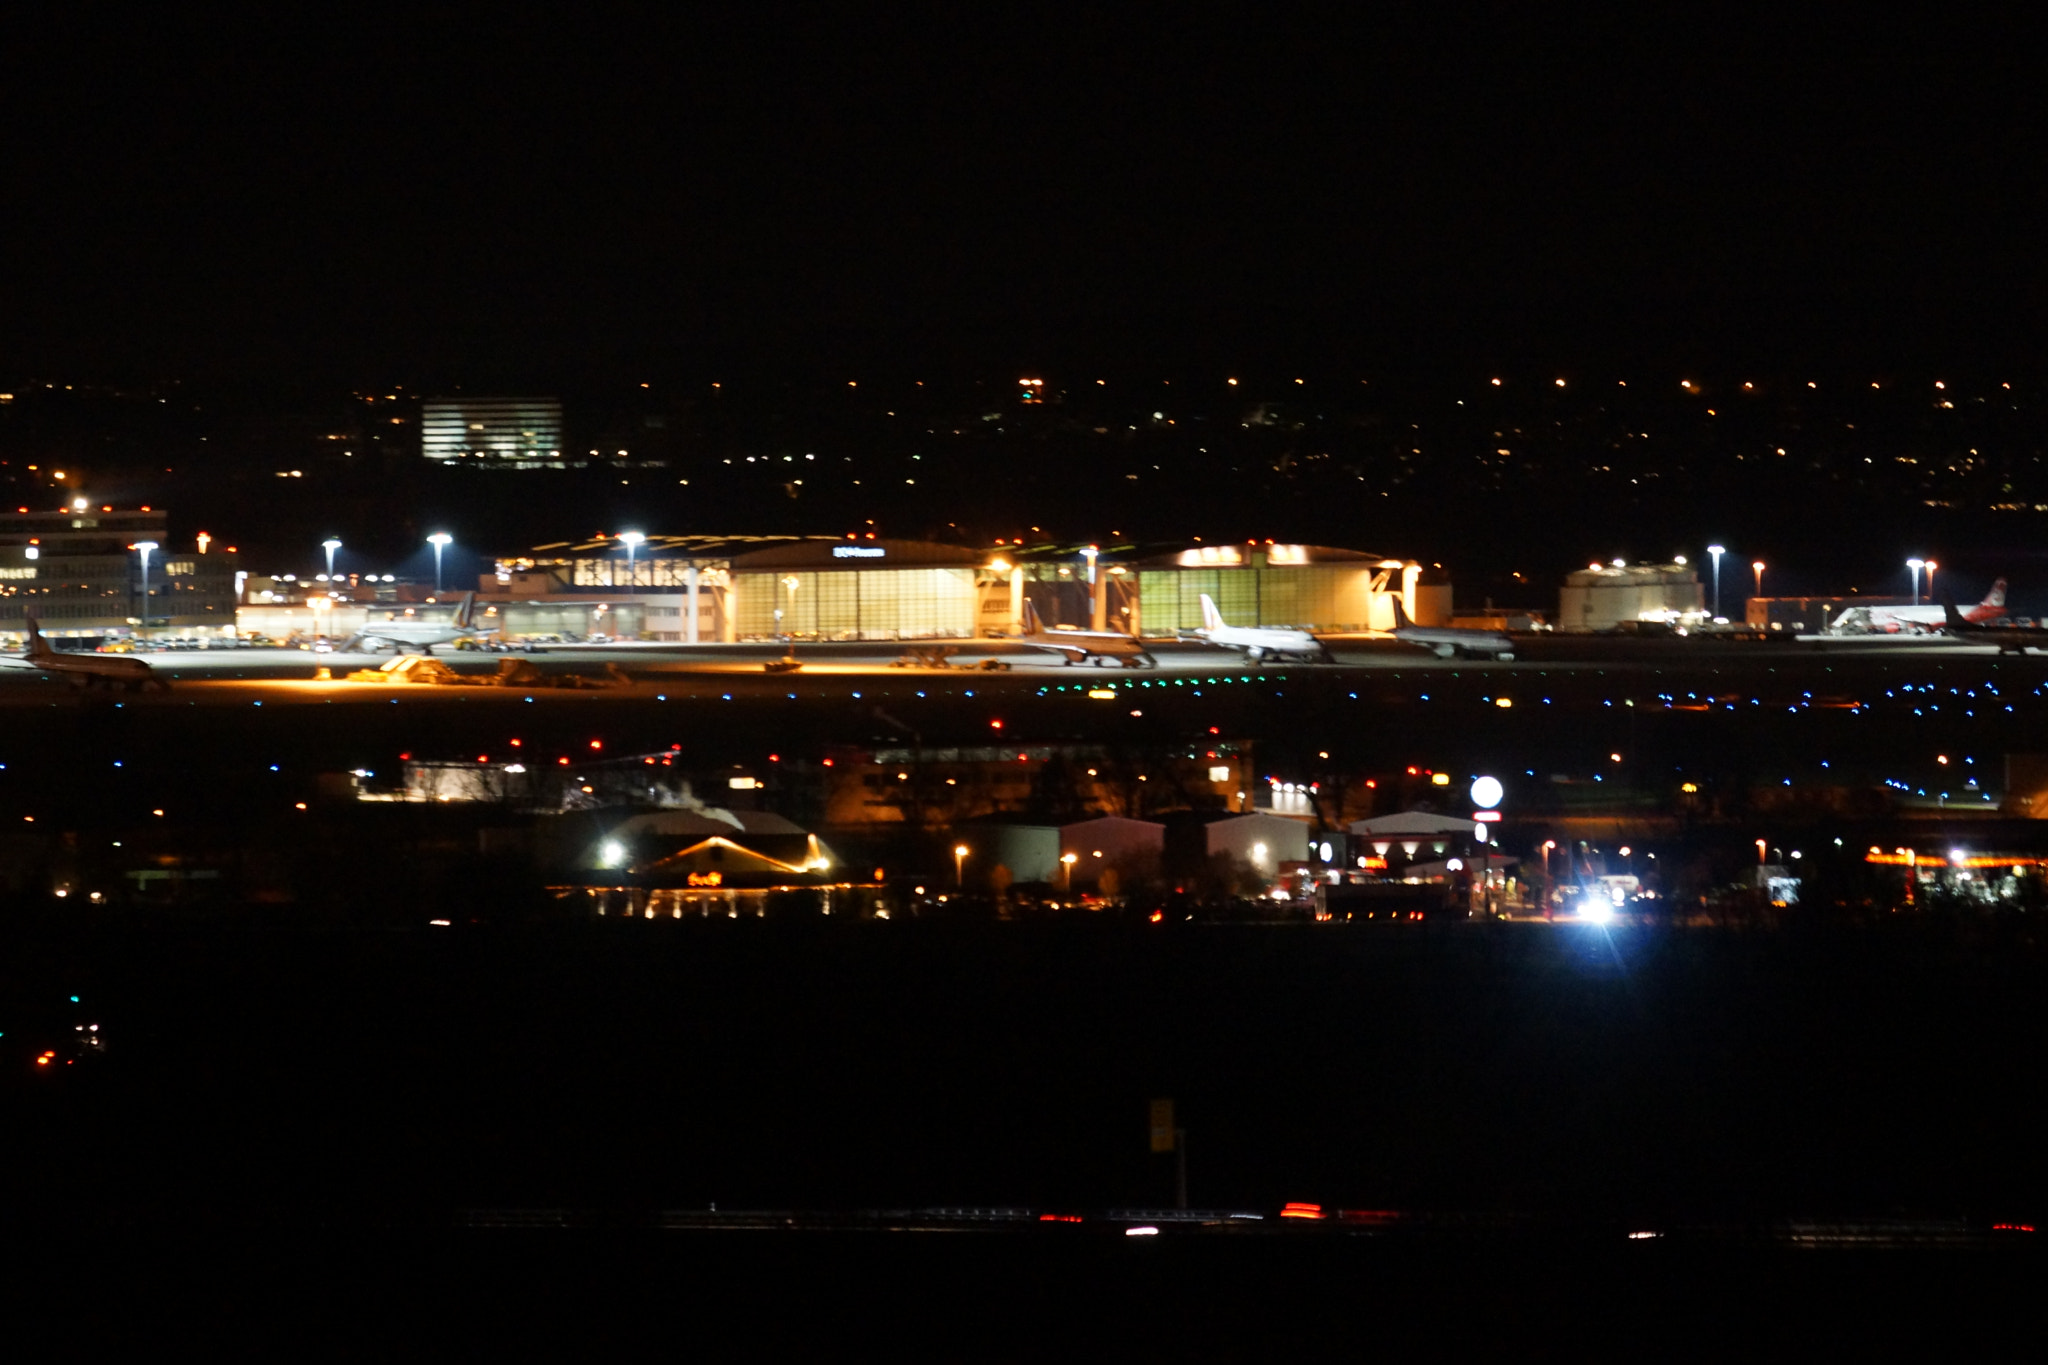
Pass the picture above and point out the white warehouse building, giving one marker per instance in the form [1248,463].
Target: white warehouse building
[1603,597]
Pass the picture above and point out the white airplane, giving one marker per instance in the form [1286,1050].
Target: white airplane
[1450,642]
[409,635]
[1079,646]
[1259,643]
[89,670]
[1073,647]
[1927,619]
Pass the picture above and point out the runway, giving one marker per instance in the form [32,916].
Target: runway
[654,670]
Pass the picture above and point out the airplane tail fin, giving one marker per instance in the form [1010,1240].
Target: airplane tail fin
[1996,597]
[465,616]
[1212,619]
[1032,625]
[38,647]
[1401,621]
[1953,617]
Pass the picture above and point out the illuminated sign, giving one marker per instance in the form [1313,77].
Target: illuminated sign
[1373,864]
[1487,792]
[858,552]
[707,879]
[1486,815]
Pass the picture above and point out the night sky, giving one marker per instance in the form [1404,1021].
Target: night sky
[268,192]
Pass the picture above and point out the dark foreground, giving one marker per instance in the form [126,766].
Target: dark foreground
[364,1141]
[641,1074]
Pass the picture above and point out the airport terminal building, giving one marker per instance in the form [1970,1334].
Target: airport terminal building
[81,571]
[732,588]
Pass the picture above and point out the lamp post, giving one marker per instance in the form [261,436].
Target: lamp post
[959,865]
[631,540]
[1717,551]
[1914,566]
[440,540]
[1067,861]
[330,545]
[1757,566]
[1930,566]
[145,546]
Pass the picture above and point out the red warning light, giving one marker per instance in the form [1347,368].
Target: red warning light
[1303,1211]
[1158,915]
[597,744]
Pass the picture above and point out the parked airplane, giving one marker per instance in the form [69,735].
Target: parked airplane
[1073,647]
[410,635]
[89,670]
[2010,639]
[1079,646]
[1450,642]
[1927,619]
[1260,642]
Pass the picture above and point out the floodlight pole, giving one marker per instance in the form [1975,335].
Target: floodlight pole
[439,540]
[145,546]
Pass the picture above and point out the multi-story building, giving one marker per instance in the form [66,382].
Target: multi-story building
[493,433]
[82,573]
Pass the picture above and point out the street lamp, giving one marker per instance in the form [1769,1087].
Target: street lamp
[1717,551]
[792,583]
[330,545]
[1067,861]
[959,865]
[1915,566]
[1758,566]
[631,540]
[145,546]
[1930,580]
[440,540]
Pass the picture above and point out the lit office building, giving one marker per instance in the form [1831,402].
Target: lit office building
[493,433]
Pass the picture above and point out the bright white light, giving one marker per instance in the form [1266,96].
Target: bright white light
[1323,851]
[1487,792]
[1596,911]
[612,853]
[1455,865]
[1479,834]
[1141,1232]
[1258,853]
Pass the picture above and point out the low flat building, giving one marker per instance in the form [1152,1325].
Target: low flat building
[731,588]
